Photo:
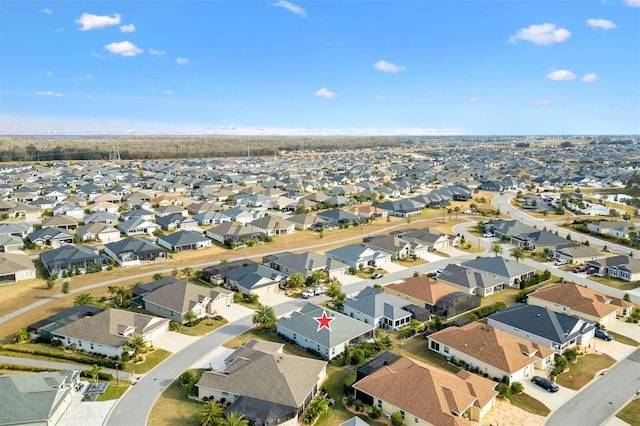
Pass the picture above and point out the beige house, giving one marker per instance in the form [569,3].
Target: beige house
[572,299]
[492,351]
[426,395]
[16,267]
[575,254]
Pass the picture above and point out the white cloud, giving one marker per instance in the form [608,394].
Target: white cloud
[182,61]
[474,99]
[48,93]
[561,75]
[324,93]
[389,67]
[632,3]
[167,92]
[603,24]
[155,52]
[124,48]
[48,73]
[381,98]
[88,96]
[545,102]
[589,78]
[46,11]
[541,34]
[291,8]
[128,28]
[88,21]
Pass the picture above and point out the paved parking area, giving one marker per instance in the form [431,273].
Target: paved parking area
[234,312]
[614,349]
[214,359]
[553,400]
[173,342]
[505,414]
[625,328]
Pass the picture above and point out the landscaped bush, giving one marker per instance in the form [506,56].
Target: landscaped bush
[101,376]
[77,357]
[517,388]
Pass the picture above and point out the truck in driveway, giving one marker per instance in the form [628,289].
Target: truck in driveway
[313,292]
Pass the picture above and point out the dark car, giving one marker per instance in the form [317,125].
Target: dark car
[603,335]
[376,276]
[545,384]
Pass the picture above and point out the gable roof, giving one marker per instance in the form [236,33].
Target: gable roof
[133,245]
[428,393]
[498,265]
[267,376]
[343,328]
[13,262]
[180,296]
[376,303]
[470,279]
[581,299]
[182,238]
[423,288]
[543,322]
[492,346]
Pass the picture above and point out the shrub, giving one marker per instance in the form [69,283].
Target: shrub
[517,388]
[503,390]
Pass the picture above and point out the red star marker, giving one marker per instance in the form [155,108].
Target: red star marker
[324,321]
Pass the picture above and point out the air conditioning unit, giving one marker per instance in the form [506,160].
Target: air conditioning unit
[387,416]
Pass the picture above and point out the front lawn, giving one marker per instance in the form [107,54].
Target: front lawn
[114,391]
[623,339]
[530,404]
[410,263]
[631,413]
[416,348]
[205,326]
[173,407]
[612,282]
[151,359]
[270,336]
[584,370]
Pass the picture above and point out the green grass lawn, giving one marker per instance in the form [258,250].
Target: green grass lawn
[151,359]
[203,327]
[114,391]
[530,404]
[583,370]
[611,282]
[416,348]
[173,407]
[631,413]
[623,339]
[269,336]
[410,263]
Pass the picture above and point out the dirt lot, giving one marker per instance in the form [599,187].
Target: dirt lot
[16,296]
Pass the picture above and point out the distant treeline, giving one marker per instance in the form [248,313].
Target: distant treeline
[40,148]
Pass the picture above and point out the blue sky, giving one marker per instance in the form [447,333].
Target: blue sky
[320,67]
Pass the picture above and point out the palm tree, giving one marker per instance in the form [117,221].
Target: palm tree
[233,419]
[95,371]
[137,343]
[21,335]
[265,317]
[211,413]
[334,290]
[186,273]
[190,317]
[295,280]
[83,299]
[158,276]
[517,253]
[496,249]
[457,210]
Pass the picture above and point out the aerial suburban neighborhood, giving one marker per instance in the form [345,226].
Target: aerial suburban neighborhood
[446,283]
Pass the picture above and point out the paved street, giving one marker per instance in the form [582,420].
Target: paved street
[601,399]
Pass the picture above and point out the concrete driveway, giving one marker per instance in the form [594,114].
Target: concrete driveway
[214,359]
[553,400]
[614,349]
[625,328]
[173,342]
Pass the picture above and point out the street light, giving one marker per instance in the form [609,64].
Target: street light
[117,378]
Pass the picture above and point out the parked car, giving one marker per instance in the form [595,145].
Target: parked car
[545,384]
[376,276]
[600,333]
[488,235]
[560,262]
[580,269]
[307,294]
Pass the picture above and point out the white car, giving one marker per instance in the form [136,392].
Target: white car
[307,294]
[560,262]
[488,235]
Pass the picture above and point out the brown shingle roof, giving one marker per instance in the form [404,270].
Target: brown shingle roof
[423,288]
[580,299]
[492,346]
[427,392]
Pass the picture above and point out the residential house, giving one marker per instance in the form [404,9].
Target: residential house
[505,270]
[431,239]
[71,258]
[393,246]
[98,231]
[183,241]
[615,228]
[101,217]
[508,229]
[15,267]
[543,326]
[134,251]
[137,227]
[243,214]
[575,254]
[62,222]
[441,299]
[264,385]
[373,306]
[69,209]
[216,274]
[340,217]
[139,213]
[302,327]
[16,229]
[304,221]
[254,279]
[622,267]
[471,281]
[107,332]
[492,351]
[10,243]
[175,221]
[173,301]
[306,263]
[272,225]
[403,208]
[211,217]
[232,234]
[170,210]
[357,256]
[572,299]
[52,237]
[37,398]
[47,326]
[426,395]
[368,212]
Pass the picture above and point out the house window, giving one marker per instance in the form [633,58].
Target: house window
[415,419]
[446,349]
[435,345]
[379,403]
[91,346]
[402,412]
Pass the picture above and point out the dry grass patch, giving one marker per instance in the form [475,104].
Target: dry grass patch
[611,282]
[416,348]
[631,413]
[173,407]
[584,370]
